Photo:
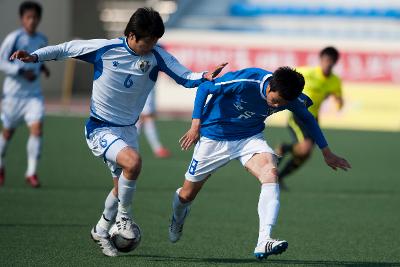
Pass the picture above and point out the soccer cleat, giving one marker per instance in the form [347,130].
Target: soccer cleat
[176,228]
[125,227]
[107,247]
[33,181]
[2,176]
[162,153]
[270,247]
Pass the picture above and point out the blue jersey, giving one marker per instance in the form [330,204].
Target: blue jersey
[15,85]
[238,107]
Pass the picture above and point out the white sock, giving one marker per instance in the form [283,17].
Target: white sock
[108,216]
[151,134]
[268,208]
[126,189]
[3,149]
[179,208]
[33,149]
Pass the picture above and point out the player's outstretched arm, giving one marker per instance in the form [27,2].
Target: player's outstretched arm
[191,136]
[182,75]
[311,124]
[72,49]
[335,161]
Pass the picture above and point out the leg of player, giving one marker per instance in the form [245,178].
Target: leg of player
[110,211]
[99,233]
[263,166]
[5,138]
[300,153]
[130,162]
[33,150]
[151,133]
[181,202]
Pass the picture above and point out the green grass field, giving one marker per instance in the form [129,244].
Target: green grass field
[329,218]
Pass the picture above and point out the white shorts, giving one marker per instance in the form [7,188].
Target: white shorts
[15,110]
[150,105]
[107,142]
[209,155]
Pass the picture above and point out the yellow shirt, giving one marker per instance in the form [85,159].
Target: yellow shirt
[318,87]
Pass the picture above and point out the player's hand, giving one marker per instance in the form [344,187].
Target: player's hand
[192,136]
[29,75]
[335,161]
[24,56]
[211,75]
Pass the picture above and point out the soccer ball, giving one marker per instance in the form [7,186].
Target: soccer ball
[123,244]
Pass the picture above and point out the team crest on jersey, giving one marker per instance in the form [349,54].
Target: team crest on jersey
[144,65]
[115,64]
[103,143]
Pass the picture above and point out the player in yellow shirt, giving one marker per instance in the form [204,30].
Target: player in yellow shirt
[321,83]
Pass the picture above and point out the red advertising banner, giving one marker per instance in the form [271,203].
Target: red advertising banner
[353,66]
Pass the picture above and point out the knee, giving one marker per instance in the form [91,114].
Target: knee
[133,166]
[269,174]
[36,130]
[37,133]
[304,150]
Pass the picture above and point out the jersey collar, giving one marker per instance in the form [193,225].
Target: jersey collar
[263,89]
[128,48]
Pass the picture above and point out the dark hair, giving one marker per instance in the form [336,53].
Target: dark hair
[145,22]
[287,82]
[28,5]
[331,52]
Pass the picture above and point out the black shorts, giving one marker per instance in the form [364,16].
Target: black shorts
[298,129]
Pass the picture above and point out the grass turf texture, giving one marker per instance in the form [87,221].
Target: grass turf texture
[329,218]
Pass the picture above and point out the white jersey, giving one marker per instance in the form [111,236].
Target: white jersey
[122,79]
[14,84]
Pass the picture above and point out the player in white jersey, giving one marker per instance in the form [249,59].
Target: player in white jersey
[22,93]
[125,70]
[147,122]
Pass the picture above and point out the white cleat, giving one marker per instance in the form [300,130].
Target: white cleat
[107,247]
[270,247]
[125,227]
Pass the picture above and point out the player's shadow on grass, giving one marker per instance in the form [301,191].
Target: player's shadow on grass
[231,261]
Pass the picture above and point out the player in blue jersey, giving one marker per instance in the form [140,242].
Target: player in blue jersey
[22,92]
[125,70]
[230,127]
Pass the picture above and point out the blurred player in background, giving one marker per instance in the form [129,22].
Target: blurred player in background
[320,83]
[147,121]
[125,71]
[22,92]
[230,126]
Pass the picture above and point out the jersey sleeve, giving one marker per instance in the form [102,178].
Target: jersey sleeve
[171,66]
[202,93]
[81,49]
[299,108]
[6,49]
